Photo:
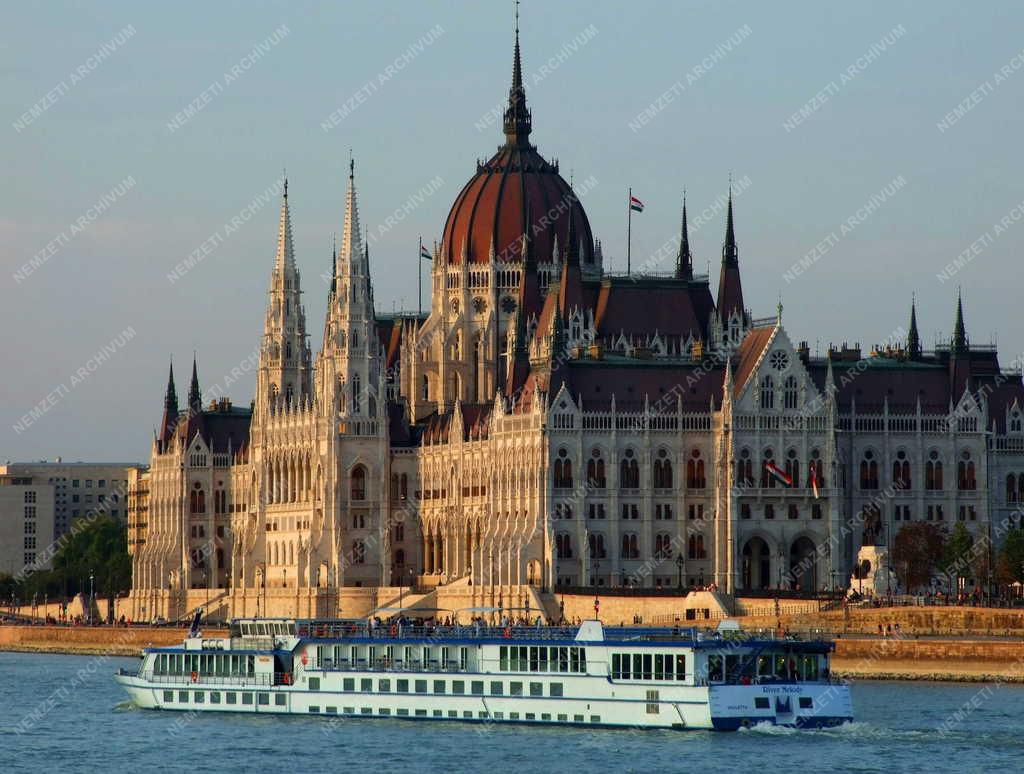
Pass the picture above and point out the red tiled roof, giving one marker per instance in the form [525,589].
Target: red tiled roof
[747,355]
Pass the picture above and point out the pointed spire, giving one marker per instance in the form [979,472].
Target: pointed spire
[285,256]
[334,265]
[684,261]
[959,343]
[518,121]
[351,235]
[171,396]
[913,337]
[195,396]
[730,289]
[730,252]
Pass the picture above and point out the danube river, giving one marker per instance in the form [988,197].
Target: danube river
[66,714]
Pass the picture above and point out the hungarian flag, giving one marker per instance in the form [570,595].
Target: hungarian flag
[635,204]
[814,482]
[778,474]
[425,253]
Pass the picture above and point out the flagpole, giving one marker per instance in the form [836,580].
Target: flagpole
[629,231]
[419,279]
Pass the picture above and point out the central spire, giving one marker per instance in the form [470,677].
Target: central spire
[518,121]
[684,261]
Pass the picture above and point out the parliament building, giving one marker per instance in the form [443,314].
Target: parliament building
[551,425]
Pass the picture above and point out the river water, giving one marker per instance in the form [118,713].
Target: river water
[66,714]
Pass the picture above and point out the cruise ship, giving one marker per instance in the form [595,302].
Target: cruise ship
[586,675]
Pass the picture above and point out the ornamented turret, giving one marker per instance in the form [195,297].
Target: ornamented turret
[518,120]
[959,344]
[730,290]
[285,364]
[684,260]
[195,395]
[349,361]
[170,417]
[913,337]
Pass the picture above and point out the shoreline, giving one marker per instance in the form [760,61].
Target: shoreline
[950,661]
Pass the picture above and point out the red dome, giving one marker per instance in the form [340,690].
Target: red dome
[492,209]
[515,185]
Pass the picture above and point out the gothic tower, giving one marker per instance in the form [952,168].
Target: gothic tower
[285,368]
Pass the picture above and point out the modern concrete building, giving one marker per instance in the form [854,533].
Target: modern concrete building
[79,487]
[26,522]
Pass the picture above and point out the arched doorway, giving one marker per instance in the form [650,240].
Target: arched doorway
[533,577]
[756,564]
[803,565]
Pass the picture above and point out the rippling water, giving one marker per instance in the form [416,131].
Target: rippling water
[74,718]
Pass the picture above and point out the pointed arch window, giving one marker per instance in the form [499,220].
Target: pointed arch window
[629,471]
[630,546]
[933,472]
[695,547]
[595,543]
[358,483]
[790,393]
[695,478]
[768,481]
[563,470]
[662,471]
[563,545]
[815,473]
[663,546]
[901,471]
[793,467]
[767,392]
[1012,495]
[869,471]
[1015,423]
[595,470]
[966,481]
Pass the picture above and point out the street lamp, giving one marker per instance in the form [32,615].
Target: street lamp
[680,562]
[597,600]
[92,594]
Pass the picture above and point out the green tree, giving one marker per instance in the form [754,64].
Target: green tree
[917,550]
[1010,560]
[958,558]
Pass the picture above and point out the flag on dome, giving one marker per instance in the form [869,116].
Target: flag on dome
[778,474]
[635,204]
[425,253]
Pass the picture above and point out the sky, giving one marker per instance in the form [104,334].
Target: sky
[873,146]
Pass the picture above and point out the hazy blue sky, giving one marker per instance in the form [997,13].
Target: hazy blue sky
[104,121]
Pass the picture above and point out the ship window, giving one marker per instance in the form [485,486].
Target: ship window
[215,697]
[183,697]
[503,658]
[279,699]
[458,687]
[348,684]
[384,686]
[421,713]
[515,689]
[366,685]
[653,704]
[231,697]
[383,711]
[169,696]
[246,698]
[402,686]
[806,702]
[467,713]
[715,670]
[314,709]
[638,666]
[562,717]
[439,686]
[761,702]
[648,659]
[496,688]
[463,658]
[263,698]
[438,713]
[199,697]
[680,667]
[555,689]
[477,687]
[366,711]
[659,667]
[536,689]
[403,712]
[421,686]
[595,718]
